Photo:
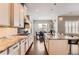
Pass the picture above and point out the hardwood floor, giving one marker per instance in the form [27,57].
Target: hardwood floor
[37,48]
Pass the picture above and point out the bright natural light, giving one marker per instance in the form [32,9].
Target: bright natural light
[42,27]
[71,27]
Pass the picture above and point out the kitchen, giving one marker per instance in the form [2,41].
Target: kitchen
[19,23]
[12,18]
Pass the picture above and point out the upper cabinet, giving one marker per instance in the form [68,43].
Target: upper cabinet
[21,16]
[4,14]
[11,14]
[18,14]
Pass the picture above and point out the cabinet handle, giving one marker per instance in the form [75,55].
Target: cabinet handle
[15,46]
[19,24]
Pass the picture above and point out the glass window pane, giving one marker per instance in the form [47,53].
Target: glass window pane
[72,27]
[77,27]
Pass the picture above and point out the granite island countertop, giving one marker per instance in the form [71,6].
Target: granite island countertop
[62,37]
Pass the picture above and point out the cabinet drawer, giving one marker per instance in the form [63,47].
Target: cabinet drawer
[15,46]
[16,15]
[5,14]
[14,49]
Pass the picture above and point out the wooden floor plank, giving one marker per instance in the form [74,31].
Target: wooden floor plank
[37,48]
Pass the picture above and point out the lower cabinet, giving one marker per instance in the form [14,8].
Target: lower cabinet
[27,45]
[23,45]
[4,52]
[58,47]
[20,48]
[14,50]
[31,38]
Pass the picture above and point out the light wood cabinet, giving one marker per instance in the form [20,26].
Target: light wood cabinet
[5,14]
[21,16]
[14,50]
[23,47]
[20,47]
[11,15]
[27,44]
[4,52]
[58,47]
[17,15]
[29,41]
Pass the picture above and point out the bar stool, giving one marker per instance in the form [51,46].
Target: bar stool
[73,48]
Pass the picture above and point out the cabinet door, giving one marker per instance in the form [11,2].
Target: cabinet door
[30,40]
[23,47]
[4,14]
[58,47]
[14,50]
[27,44]
[21,16]
[16,15]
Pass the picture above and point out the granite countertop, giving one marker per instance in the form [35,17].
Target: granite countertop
[8,42]
[62,37]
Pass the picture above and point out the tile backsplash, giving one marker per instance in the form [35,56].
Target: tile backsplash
[7,31]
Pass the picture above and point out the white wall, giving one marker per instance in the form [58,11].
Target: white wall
[36,22]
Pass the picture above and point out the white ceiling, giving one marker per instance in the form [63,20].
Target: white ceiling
[47,11]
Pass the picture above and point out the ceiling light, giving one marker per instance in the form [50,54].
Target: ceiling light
[61,18]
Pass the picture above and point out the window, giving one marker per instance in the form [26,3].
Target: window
[42,27]
[71,27]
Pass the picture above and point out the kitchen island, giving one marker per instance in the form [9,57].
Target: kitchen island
[61,45]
